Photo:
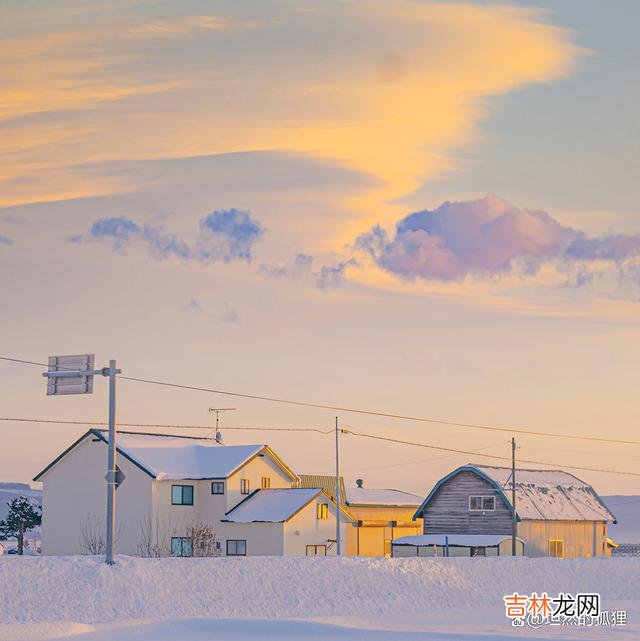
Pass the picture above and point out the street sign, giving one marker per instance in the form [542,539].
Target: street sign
[119,477]
[74,375]
[70,374]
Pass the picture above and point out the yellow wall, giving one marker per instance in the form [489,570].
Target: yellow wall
[369,539]
[581,538]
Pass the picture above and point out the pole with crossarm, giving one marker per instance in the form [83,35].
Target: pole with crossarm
[74,375]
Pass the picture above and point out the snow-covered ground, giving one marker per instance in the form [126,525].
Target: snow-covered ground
[271,598]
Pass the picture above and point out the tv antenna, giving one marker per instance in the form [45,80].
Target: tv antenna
[217,410]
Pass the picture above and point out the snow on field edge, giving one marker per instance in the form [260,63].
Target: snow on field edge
[85,590]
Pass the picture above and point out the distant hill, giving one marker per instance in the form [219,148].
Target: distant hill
[626,509]
[10,491]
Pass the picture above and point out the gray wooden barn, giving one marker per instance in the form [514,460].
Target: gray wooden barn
[557,514]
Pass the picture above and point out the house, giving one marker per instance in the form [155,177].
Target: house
[557,514]
[379,515]
[182,496]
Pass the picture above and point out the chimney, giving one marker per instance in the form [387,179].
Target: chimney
[359,483]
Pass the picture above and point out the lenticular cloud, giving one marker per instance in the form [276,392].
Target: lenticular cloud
[487,236]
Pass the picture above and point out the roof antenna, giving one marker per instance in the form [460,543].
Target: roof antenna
[217,410]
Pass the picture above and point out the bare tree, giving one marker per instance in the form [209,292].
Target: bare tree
[202,539]
[92,533]
[155,537]
[92,536]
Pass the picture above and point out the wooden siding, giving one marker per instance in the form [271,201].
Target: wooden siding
[581,538]
[448,510]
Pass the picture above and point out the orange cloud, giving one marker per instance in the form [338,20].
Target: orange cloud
[394,102]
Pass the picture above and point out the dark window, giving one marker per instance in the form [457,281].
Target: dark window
[217,487]
[482,503]
[244,486]
[316,550]
[266,482]
[181,546]
[236,547]
[182,494]
[323,510]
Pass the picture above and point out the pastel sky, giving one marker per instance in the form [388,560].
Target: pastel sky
[428,208]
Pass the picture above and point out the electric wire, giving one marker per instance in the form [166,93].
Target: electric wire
[337,408]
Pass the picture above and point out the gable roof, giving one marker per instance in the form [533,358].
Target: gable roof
[271,505]
[364,496]
[275,505]
[171,457]
[550,495]
[326,482]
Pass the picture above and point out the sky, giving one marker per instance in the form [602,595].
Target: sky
[423,208]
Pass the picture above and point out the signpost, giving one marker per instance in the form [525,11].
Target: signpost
[74,375]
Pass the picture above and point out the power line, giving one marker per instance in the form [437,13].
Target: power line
[337,408]
[156,425]
[453,451]
[491,456]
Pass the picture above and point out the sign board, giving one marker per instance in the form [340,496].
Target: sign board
[120,477]
[70,374]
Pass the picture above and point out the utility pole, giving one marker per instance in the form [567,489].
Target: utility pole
[514,516]
[111,465]
[74,375]
[338,542]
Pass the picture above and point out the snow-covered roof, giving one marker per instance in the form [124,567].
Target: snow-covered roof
[466,540]
[170,457]
[365,496]
[177,457]
[271,506]
[550,495]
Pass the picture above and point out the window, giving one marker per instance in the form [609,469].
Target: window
[236,547]
[181,546]
[217,487]
[266,482]
[316,550]
[182,495]
[244,486]
[482,503]
[323,510]
[556,548]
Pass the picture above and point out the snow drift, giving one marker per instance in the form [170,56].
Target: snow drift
[85,590]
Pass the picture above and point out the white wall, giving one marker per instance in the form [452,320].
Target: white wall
[74,501]
[253,471]
[263,539]
[306,529]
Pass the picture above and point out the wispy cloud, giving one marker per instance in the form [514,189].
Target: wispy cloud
[302,266]
[231,317]
[180,27]
[228,234]
[5,240]
[225,235]
[488,237]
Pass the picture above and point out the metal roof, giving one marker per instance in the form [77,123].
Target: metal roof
[548,495]
[324,482]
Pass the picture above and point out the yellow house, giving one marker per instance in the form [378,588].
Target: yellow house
[380,515]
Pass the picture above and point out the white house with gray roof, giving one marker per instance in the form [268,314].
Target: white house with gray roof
[175,485]
[557,514]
